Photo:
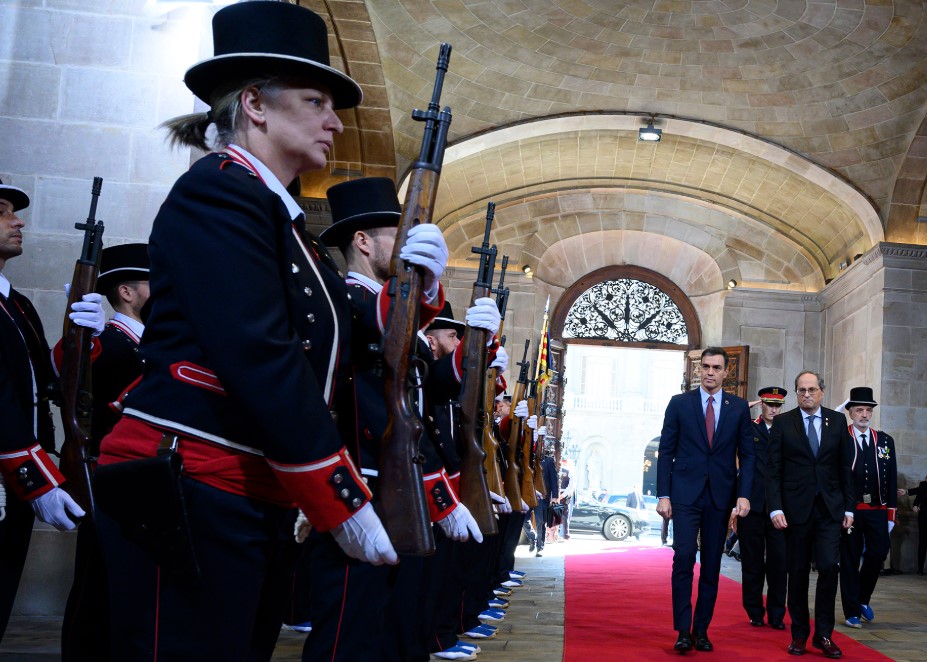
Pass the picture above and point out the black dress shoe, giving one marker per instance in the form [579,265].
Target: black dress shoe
[777,625]
[701,642]
[828,647]
[797,647]
[757,622]
[683,642]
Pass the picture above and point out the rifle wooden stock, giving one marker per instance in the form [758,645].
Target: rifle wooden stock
[512,479]
[474,492]
[527,454]
[402,506]
[76,395]
[490,444]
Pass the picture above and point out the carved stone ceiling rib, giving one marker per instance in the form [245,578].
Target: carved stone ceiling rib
[841,82]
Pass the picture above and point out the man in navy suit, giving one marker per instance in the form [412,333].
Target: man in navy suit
[809,493]
[705,431]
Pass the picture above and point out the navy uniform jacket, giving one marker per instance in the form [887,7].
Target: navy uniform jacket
[882,448]
[26,376]
[118,364]
[372,416]
[687,465]
[248,340]
[761,444]
[794,476]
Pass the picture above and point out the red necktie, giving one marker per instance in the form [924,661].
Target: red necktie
[710,420]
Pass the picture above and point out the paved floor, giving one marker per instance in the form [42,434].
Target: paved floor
[533,629]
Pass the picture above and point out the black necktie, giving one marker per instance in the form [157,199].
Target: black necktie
[813,436]
[865,441]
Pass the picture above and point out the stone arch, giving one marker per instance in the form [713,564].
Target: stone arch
[909,197]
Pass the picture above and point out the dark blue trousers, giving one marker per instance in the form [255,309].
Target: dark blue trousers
[869,542]
[762,555]
[688,521]
[233,611]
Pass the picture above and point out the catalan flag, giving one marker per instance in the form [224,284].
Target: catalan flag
[544,375]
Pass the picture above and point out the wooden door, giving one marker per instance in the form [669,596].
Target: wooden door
[553,396]
[738,363]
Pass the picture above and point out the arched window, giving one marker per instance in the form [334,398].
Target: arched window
[627,306]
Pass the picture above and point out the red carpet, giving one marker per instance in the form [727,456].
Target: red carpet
[619,607]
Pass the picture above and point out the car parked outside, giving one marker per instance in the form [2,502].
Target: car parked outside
[650,514]
[613,522]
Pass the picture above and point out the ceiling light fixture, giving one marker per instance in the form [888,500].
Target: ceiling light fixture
[649,134]
[528,272]
[731,284]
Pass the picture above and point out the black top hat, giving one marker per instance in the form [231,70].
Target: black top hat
[861,395]
[122,263]
[361,204]
[773,395]
[17,196]
[269,38]
[445,320]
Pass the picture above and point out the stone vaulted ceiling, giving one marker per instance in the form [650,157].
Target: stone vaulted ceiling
[840,85]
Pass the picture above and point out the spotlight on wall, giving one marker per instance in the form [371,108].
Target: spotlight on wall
[528,272]
[649,134]
[731,284]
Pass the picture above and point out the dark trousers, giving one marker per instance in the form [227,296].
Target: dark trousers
[921,539]
[298,608]
[478,563]
[233,611]
[509,532]
[688,520]
[762,557]
[347,604]
[85,631]
[818,539]
[870,533]
[15,532]
[450,594]
[537,535]
[567,514]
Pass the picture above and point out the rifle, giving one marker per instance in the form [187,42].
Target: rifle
[539,447]
[402,505]
[512,485]
[76,395]
[527,452]
[490,445]
[474,492]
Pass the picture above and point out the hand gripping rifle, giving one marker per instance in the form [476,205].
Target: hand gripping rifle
[512,480]
[76,395]
[527,452]
[474,492]
[402,505]
[490,445]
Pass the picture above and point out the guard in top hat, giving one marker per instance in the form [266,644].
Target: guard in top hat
[444,333]
[391,611]
[762,546]
[117,363]
[247,351]
[875,482]
[31,479]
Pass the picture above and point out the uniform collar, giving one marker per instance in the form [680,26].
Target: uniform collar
[5,286]
[136,327]
[249,160]
[367,282]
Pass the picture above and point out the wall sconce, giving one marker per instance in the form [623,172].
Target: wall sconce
[528,272]
[731,284]
[649,134]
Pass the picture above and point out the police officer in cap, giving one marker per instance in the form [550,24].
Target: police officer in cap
[875,485]
[762,546]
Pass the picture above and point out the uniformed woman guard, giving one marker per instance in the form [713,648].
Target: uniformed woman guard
[246,352]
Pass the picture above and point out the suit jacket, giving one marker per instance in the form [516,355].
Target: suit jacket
[686,465]
[25,414]
[795,476]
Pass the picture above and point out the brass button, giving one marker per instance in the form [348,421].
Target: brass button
[307,291]
[357,502]
[349,296]
[311,317]
[337,478]
[307,344]
[295,268]
[23,471]
[345,493]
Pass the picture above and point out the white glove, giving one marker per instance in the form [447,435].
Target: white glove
[539,495]
[495,498]
[524,507]
[460,525]
[53,508]
[501,361]
[88,312]
[426,248]
[302,527]
[532,422]
[363,537]
[521,409]
[484,314]
[506,507]
[542,431]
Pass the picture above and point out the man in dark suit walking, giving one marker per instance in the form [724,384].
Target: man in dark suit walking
[762,546]
[705,431]
[809,494]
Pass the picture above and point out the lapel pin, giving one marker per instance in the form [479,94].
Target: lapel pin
[727,402]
